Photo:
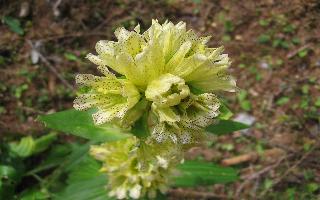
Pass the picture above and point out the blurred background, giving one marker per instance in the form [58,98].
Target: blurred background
[274,48]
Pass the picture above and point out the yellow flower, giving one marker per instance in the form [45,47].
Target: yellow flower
[195,113]
[164,66]
[136,169]
[163,49]
[160,71]
[111,96]
[166,91]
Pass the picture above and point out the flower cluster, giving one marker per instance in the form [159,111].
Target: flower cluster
[135,168]
[176,73]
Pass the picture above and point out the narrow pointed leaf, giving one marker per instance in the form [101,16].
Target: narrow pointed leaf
[195,173]
[226,126]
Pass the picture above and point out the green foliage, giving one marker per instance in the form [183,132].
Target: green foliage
[80,123]
[8,179]
[280,43]
[17,91]
[264,22]
[194,173]
[13,165]
[35,194]
[228,26]
[317,103]
[85,182]
[226,126]
[264,38]
[282,101]
[303,53]
[140,128]
[70,56]
[290,28]
[244,102]
[296,41]
[14,24]
[225,112]
[28,146]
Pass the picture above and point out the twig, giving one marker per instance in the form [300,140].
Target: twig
[53,69]
[290,169]
[55,9]
[195,194]
[257,175]
[295,52]
[252,156]
[79,34]
[32,110]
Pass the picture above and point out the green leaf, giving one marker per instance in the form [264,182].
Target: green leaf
[195,90]
[226,126]
[246,105]
[264,38]
[56,156]
[303,53]
[34,194]
[79,153]
[282,101]
[264,22]
[225,112]
[195,173]
[317,103]
[140,128]
[85,182]
[29,146]
[24,148]
[14,24]
[42,143]
[242,95]
[80,123]
[8,180]
[70,56]
[228,26]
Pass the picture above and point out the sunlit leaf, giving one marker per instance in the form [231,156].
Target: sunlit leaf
[28,146]
[225,112]
[195,173]
[226,126]
[14,24]
[80,123]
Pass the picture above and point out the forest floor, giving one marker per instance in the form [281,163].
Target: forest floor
[274,48]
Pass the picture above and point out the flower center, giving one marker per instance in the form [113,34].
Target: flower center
[168,90]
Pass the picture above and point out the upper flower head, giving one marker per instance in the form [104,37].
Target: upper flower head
[160,68]
[163,49]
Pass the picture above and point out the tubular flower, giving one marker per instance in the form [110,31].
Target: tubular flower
[197,112]
[134,170]
[160,69]
[113,97]
[163,49]
[162,66]
[166,91]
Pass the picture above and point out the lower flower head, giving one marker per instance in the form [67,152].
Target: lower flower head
[195,113]
[136,169]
